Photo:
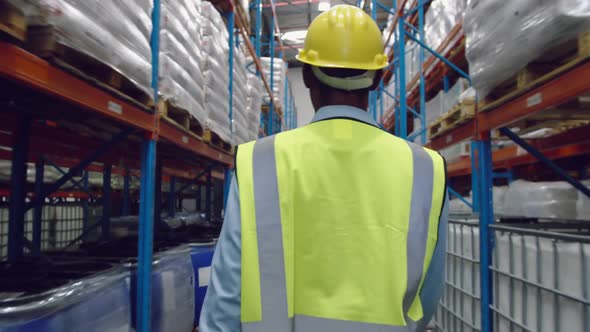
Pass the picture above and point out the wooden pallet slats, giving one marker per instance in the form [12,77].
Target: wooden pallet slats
[13,23]
[180,118]
[456,116]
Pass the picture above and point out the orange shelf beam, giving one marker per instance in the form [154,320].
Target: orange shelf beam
[21,66]
[555,92]
[25,68]
[512,156]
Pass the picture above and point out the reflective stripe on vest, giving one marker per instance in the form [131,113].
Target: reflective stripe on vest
[265,303]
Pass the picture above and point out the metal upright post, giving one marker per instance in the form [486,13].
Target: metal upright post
[198,198]
[208,196]
[286,99]
[475,177]
[172,197]
[230,29]
[158,196]
[484,170]
[258,28]
[126,192]
[402,116]
[18,182]
[146,197]
[85,202]
[422,37]
[271,49]
[146,228]
[106,201]
[38,210]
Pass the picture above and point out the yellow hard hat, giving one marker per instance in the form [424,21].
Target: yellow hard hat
[344,37]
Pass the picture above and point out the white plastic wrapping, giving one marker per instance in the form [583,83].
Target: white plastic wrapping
[116,42]
[434,107]
[178,86]
[455,94]
[504,36]
[541,200]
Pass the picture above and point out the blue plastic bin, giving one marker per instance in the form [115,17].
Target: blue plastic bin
[201,255]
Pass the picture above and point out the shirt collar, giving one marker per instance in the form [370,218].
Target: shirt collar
[343,111]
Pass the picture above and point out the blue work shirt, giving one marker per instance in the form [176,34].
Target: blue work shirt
[221,310]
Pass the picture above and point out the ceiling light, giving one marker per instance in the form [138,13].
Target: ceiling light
[324,5]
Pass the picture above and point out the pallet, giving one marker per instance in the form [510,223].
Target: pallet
[551,64]
[180,118]
[43,41]
[213,139]
[266,108]
[455,117]
[13,23]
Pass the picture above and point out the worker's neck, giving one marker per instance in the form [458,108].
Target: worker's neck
[359,101]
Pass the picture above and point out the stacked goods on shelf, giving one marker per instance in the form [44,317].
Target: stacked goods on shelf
[541,200]
[214,63]
[456,206]
[496,51]
[241,133]
[278,81]
[256,92]
[116,33]
[441,18]
[180,70]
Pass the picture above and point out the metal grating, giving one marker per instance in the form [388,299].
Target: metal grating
[62,222]
[540,275]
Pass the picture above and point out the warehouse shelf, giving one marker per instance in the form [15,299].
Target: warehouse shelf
[554,97]
[26,69]
[538,99]
[453,49]
[60,119]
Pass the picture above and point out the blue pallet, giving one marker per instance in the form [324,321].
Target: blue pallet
[201,255]
[173,291]
[94,304]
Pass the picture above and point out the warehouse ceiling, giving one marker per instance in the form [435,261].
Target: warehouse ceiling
[294,16]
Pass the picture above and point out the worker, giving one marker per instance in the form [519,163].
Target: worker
[338,225]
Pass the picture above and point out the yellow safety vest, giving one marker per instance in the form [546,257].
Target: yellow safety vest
[339,224]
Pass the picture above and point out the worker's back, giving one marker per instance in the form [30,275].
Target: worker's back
[339,224]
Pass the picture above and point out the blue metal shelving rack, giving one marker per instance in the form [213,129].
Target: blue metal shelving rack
[275,120]
[478,129]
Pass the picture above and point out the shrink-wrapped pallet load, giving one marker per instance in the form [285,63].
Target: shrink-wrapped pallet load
[215,49]
[504,36]
[180,72]
[256,92]
[114,32]
[541,200]
[279,75]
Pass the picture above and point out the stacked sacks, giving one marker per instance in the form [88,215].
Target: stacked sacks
[504,36]
[214,63]
[180,71]
[240,129]
[256,92]
[115,32]
[279,74]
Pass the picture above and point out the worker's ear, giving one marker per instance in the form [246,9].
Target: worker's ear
[377,79]
[307,76]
